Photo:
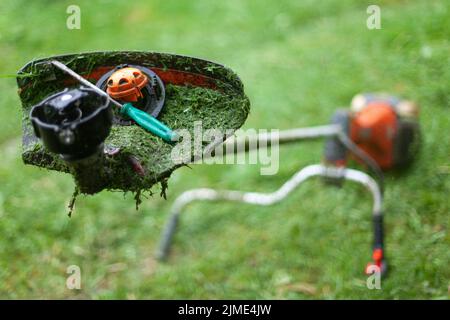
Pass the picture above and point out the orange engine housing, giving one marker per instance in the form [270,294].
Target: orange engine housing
[126,84]
[373,130]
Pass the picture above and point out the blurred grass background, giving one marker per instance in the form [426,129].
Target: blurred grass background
[299,61]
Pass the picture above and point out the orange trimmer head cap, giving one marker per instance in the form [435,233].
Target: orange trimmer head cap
[125,84]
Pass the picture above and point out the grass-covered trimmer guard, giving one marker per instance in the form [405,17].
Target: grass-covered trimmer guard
[122,154]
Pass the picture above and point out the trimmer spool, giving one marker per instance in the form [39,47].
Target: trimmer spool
[137,84]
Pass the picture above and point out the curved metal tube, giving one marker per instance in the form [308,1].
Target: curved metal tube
[265,199]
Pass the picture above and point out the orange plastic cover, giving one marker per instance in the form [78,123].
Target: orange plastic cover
[126,84]
[373,130]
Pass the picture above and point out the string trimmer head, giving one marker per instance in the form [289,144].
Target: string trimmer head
[157,92]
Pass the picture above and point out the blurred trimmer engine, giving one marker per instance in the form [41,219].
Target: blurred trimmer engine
[384,127]
[379,131]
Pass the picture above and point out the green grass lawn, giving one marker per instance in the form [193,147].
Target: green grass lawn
[299,61]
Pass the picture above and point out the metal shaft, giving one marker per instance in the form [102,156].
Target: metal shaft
[266,139]
[69,71]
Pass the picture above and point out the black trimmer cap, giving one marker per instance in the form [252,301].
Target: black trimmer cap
[73,123]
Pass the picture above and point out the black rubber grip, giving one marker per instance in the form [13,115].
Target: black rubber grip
[378,240]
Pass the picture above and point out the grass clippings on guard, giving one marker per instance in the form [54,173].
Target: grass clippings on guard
[195,90]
